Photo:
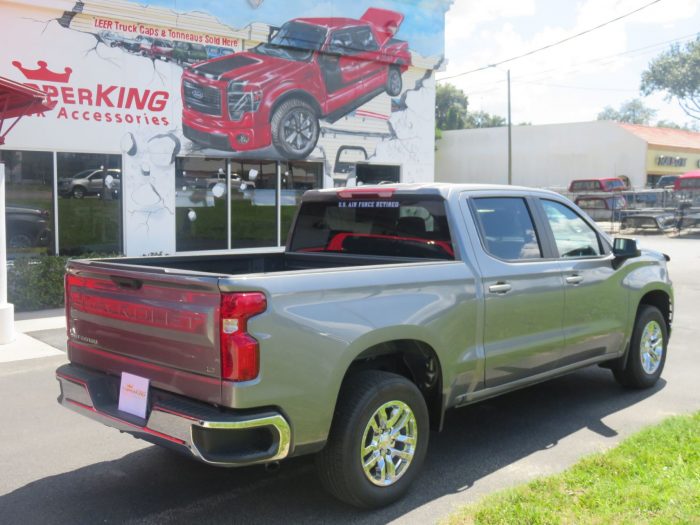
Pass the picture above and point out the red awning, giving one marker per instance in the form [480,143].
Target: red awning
[18,100]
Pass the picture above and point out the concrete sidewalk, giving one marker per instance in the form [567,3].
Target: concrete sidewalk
[38,334]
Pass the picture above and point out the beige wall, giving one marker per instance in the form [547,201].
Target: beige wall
[543,156]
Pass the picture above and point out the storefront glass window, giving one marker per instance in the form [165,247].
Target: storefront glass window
[200,210]
[253,204]
[28,202]
[297,177]
[90,207]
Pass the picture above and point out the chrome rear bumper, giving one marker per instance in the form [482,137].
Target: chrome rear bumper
[222,438]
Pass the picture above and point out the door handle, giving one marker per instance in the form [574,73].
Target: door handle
[574,279]
[500,288]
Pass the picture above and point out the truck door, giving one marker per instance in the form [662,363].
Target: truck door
[596,305]
[523,289]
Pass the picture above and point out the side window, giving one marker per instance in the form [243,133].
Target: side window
[573,236]
[364,40]
[506,228]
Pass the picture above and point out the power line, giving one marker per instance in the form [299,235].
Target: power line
[587,88]
[553,44]
[650,47]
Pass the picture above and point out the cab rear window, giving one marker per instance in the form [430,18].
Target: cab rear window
[393,227]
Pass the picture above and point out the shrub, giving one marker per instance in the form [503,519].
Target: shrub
[37,283]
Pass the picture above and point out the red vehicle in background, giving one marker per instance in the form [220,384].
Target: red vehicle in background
[162,49]
[688,181]
[601,184]
[311,68]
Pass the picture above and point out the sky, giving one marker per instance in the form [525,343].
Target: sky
[571,82]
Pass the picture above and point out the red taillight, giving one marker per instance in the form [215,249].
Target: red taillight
[69,279]
[240,360]
[353,193]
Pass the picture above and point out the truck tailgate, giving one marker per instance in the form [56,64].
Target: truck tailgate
[149,323]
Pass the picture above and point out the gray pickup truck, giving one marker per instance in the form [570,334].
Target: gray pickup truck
[390,305]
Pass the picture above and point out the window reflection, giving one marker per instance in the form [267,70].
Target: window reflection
[28,202]
[253,204]
[90,211]
[297,178]
[200,206]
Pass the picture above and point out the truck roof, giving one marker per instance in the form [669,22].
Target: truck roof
[442,188]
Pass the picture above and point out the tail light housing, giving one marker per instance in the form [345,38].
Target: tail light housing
[240,351]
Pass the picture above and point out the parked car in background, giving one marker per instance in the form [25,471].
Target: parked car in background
[88,182]
[189,52]
[162,49]
[27,227]
[601,184]
[145,44]
[602,208]
[666,182]
[218,51]
[688,181]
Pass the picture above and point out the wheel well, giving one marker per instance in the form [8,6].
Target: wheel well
[301,95]
[416,361]
[662,301]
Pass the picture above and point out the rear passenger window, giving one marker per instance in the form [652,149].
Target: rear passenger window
[573,236]
[506,228]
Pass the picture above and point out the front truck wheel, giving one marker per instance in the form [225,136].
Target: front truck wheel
[377,442]
[647,353]
[295,129]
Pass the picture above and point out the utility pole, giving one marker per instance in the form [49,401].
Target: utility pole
[510,153]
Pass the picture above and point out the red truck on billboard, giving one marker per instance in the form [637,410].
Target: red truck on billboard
[311,68]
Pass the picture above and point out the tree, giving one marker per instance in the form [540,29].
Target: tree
[632,112]
[482,119]
[450,107]
[677,72]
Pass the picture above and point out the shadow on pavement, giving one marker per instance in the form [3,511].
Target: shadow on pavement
[158,486]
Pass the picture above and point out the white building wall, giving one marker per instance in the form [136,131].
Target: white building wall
[543,156]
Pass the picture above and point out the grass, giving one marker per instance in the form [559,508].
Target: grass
[652,477]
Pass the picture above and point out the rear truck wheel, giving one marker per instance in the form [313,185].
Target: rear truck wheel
[78,192]
[647,353]
[378,440]
[295,129]
[394,84]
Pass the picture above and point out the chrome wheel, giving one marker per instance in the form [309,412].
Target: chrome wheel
[389,443]
[651,347]
[298,129]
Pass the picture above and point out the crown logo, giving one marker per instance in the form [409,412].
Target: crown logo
[43,72]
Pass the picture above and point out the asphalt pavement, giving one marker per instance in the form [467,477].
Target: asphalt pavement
[59,467]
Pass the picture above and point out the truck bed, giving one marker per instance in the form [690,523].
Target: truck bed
[227,265]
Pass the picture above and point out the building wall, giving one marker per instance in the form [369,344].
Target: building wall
[671,161]
[543,156]
[115,96]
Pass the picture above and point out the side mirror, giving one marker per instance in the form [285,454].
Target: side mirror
[624,248]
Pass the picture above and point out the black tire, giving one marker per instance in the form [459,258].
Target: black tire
[20,240]
[643,367]
[340,463]
[78,192]
[295,129]
[394,83]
